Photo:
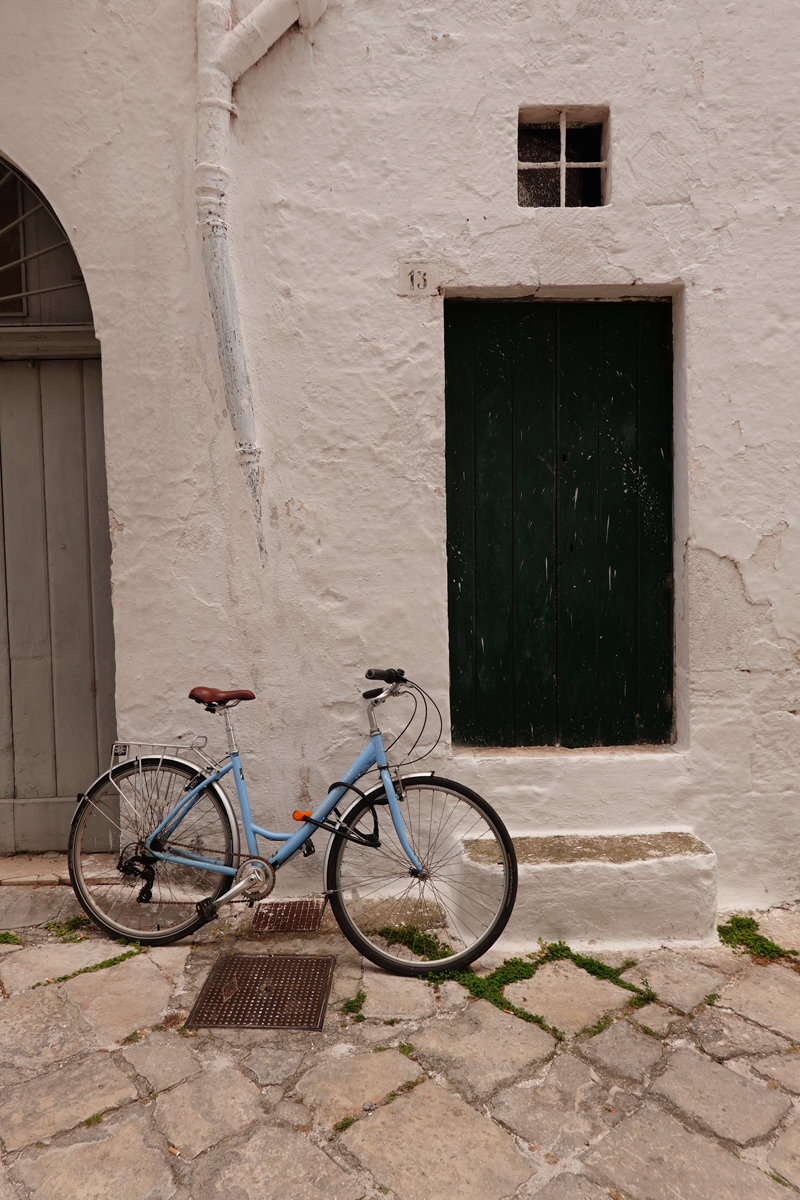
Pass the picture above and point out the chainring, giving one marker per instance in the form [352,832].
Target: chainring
[266,878]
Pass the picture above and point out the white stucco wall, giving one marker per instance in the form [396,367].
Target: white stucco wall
[385,134]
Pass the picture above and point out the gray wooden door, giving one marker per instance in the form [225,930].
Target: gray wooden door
[57,717]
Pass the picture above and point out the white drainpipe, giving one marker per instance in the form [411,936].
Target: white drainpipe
[223,56]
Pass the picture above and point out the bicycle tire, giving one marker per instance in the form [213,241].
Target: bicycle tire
[107,832]
[415,927]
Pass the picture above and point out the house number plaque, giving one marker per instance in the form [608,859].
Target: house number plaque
[418,279]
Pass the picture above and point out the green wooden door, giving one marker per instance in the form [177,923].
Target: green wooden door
[559,522]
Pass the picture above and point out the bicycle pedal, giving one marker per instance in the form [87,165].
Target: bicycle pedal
[207,909]
[309,848]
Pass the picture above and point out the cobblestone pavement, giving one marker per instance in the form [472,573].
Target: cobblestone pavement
[423,1095]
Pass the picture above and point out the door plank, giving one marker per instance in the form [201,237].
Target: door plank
[68,570]
[27,582]
[535,715]
[494,331]
[100,562]
[656,637]
[460,434]
[578,525]
[618,514]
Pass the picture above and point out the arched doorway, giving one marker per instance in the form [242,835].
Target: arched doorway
[57,718]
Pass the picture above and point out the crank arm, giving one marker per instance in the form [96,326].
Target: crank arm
[237,889]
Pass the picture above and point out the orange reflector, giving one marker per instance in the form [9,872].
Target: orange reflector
[298,815]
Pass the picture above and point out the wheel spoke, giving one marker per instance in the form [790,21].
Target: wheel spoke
[458,908]
[150,899]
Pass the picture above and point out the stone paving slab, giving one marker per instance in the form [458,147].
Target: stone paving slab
[676,980]
[19,869]
[782,926]
[483,1048]
[719,958]
[38,1028]
[724,1035]
[200,1113]
[171,959]
[163,1059]
[272,1164]
[393,996]
[49,961]
[26,907]
[451,996]
[655,1018]
[430,1145]
[784,1158]
[729,1105]
[121,1162]
[272,1066]
[119,1000]
[568,998]
[572,1187]
[340,1088]
[49,1103]
[785,1068]
[562,1114]
[7,1190]
[769,996]
[623,1050]
[652,1157]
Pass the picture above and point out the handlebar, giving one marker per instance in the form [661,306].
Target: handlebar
[390,675]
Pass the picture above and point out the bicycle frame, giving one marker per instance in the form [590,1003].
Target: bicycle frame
[373,754]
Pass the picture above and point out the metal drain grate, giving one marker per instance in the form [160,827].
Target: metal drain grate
[289,916]
[265,991]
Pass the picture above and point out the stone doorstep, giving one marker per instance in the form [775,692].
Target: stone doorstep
[613,890]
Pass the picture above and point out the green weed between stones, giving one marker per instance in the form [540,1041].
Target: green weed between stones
[101,966]
[340,1126]
[93,1120]
[712,998]
[742,932]
[9,939]
[405,1048]
[598,1027]
[490,987]
[417,940]
[72,930]
[408,1086]
[778,1179]
[354,1006]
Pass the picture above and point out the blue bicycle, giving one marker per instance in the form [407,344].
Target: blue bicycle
[419,871]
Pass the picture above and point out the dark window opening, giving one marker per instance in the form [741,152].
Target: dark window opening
[550,158]
[10,245]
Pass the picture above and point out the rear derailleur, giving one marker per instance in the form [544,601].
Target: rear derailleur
[138,866]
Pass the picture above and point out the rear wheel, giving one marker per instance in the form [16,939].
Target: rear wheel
[125,890]
[412,926]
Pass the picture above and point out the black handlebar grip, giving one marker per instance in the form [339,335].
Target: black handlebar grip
[372,693]
[392,675]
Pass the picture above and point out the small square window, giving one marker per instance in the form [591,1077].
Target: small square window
[561,158]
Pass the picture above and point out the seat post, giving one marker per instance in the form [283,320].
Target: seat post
[229,731]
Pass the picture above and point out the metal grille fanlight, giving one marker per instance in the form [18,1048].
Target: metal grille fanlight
[20,203]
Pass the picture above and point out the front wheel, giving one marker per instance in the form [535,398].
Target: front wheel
[125,890]
[413,926]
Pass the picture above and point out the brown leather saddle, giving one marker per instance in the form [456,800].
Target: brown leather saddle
[213,696]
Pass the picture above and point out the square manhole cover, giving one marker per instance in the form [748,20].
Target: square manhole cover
[289,916]
[264,991]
